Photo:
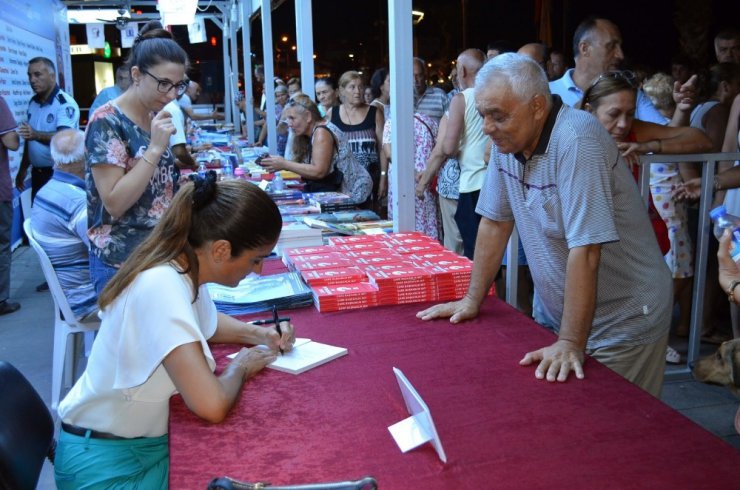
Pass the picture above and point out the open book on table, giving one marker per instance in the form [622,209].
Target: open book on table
[305,355]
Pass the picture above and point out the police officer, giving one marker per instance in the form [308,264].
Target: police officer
[49,111]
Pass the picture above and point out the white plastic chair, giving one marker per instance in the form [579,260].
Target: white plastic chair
[65,323]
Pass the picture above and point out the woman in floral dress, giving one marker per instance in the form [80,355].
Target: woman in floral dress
[426,208]
[131,174]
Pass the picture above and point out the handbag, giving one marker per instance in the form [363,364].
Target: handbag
[227,483]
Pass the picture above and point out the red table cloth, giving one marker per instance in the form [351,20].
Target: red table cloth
[499,425]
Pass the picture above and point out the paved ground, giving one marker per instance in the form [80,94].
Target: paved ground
[26,341]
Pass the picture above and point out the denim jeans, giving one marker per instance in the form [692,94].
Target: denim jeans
[100,273]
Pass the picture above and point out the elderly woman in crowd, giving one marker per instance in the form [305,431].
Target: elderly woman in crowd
[326,94]
[132,174]
[612,99]
[363,125]
[318,147]
[114,420]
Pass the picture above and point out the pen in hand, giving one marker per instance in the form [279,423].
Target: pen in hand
[277,326]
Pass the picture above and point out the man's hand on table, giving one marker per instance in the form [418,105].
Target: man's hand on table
[456,311]
[556,361]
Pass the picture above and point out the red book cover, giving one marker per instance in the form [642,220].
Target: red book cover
[329,277]
[328,263]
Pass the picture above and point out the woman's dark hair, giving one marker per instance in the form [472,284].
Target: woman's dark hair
[377,81]
[201,212]
[155,45]
[606,84]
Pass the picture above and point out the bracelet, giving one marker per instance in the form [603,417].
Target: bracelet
[148,161]
[383,172]
[717,186]
[660,145]
[731,291]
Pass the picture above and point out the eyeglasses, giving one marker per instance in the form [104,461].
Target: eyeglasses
[164,86]
[620,75]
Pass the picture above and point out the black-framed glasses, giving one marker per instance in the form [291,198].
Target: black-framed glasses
[164,86]
[627,76]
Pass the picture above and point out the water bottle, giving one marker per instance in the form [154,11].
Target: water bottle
[278,184]
[227,170]
[236,149]
[724,220]
[202,169]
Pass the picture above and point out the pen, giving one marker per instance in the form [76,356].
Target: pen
[277,324]
[269,321]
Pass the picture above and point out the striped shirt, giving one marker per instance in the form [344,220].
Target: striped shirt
[576,190]
[433,103]
[59,220]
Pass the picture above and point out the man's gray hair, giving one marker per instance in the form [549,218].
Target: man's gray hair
[524,76]
[68,146]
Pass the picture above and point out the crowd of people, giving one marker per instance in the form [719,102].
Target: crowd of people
[522,140]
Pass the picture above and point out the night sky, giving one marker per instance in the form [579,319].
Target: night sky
[648,28]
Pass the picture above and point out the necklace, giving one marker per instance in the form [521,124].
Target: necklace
[349,117]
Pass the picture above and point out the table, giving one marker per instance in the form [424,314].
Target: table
[500,427]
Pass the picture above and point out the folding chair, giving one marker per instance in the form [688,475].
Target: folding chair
[65,322]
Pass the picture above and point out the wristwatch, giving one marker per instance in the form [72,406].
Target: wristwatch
[731,291]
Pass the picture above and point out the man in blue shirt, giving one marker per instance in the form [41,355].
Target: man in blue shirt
[50,110]
[59,221]
[597,47]
[123,81]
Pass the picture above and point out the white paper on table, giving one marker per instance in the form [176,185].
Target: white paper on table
[298,342]
[304,356]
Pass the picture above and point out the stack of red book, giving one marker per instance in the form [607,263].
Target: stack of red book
[405,283]
[367,270]
[345,296]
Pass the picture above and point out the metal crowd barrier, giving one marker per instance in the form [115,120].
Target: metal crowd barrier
[709,165]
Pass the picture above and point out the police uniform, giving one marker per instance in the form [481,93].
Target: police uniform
[59,111]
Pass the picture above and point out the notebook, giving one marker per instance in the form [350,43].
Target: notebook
[306,354]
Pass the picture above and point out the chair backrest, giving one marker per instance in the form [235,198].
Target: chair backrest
[57,293]
[26,430]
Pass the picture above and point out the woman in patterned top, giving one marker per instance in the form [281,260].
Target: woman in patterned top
[363,125]
[131,175]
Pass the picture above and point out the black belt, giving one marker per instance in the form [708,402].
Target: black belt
[82,432]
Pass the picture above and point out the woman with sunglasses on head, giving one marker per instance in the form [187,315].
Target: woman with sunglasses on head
[132,176]
[114,419]
[322,153]
[612,99]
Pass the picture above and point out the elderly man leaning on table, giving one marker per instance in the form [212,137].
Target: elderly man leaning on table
[596,265]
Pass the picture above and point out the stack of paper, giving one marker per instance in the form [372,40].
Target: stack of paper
[306,354]
[259,293]
[294,235]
